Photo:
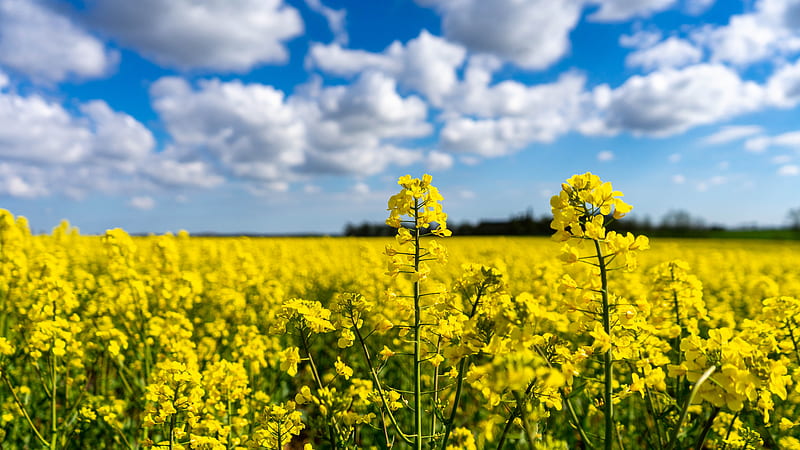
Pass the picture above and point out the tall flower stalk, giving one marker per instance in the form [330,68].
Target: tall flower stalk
[416,212]
[581,212]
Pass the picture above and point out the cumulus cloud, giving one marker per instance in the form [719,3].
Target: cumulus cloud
[769,30]
[256,132]
[640,39]
[533,34]
[351,129]
[36,130]
[672,52]
[671,101]
[170,169]
[47,150]
[249,128]
[789,170]
[495,120]
[426,64]
[48,47]
[487,137]
[22,181]
[360,188]
[205,34]
[786,140]
[620,10]
[336,19]
[697,7]
[783,86]
[732,133]
[116,136]
[436,161]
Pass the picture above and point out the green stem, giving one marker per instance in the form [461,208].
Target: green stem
[679,382]
[379,386]
[794,341]
[685,412]
[417,337]
[608,404]
[53,391]
[730,429]
[435,399]
[228,446]
[22,408]
[701,439]
[173,419]
[516,412]
[332,426]
[574,416]
[526,426]
[651,408]
[571,409]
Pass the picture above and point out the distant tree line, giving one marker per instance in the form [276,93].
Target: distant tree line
[677,223]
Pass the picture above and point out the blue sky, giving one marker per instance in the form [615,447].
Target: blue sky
[292,116]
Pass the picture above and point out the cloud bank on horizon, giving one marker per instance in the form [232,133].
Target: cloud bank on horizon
[111,109]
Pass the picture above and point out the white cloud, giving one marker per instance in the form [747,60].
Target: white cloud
[249,128]
[361,188]
[49,150]
[548,102]
[335,59]
[426,64]
[174,172]
[731,133]
[206,34]
[783,86]
[675,158]
[670,101]
[487,137]
[672,52]
[351,127]
[761,34]
[762,143]
[144,203]
[254,132]
[533,34]
[620,10]
[697,7]
[640,39]
[47,46]
[678,179]
[496,120]
[789,170]
[336,19]
[33,129]
[118,137]
[605,155]
[757,144]
[22,181]
[437,161]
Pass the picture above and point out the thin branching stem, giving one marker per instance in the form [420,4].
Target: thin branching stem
[608,373]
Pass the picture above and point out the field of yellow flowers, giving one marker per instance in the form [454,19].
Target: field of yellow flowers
[591,339]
